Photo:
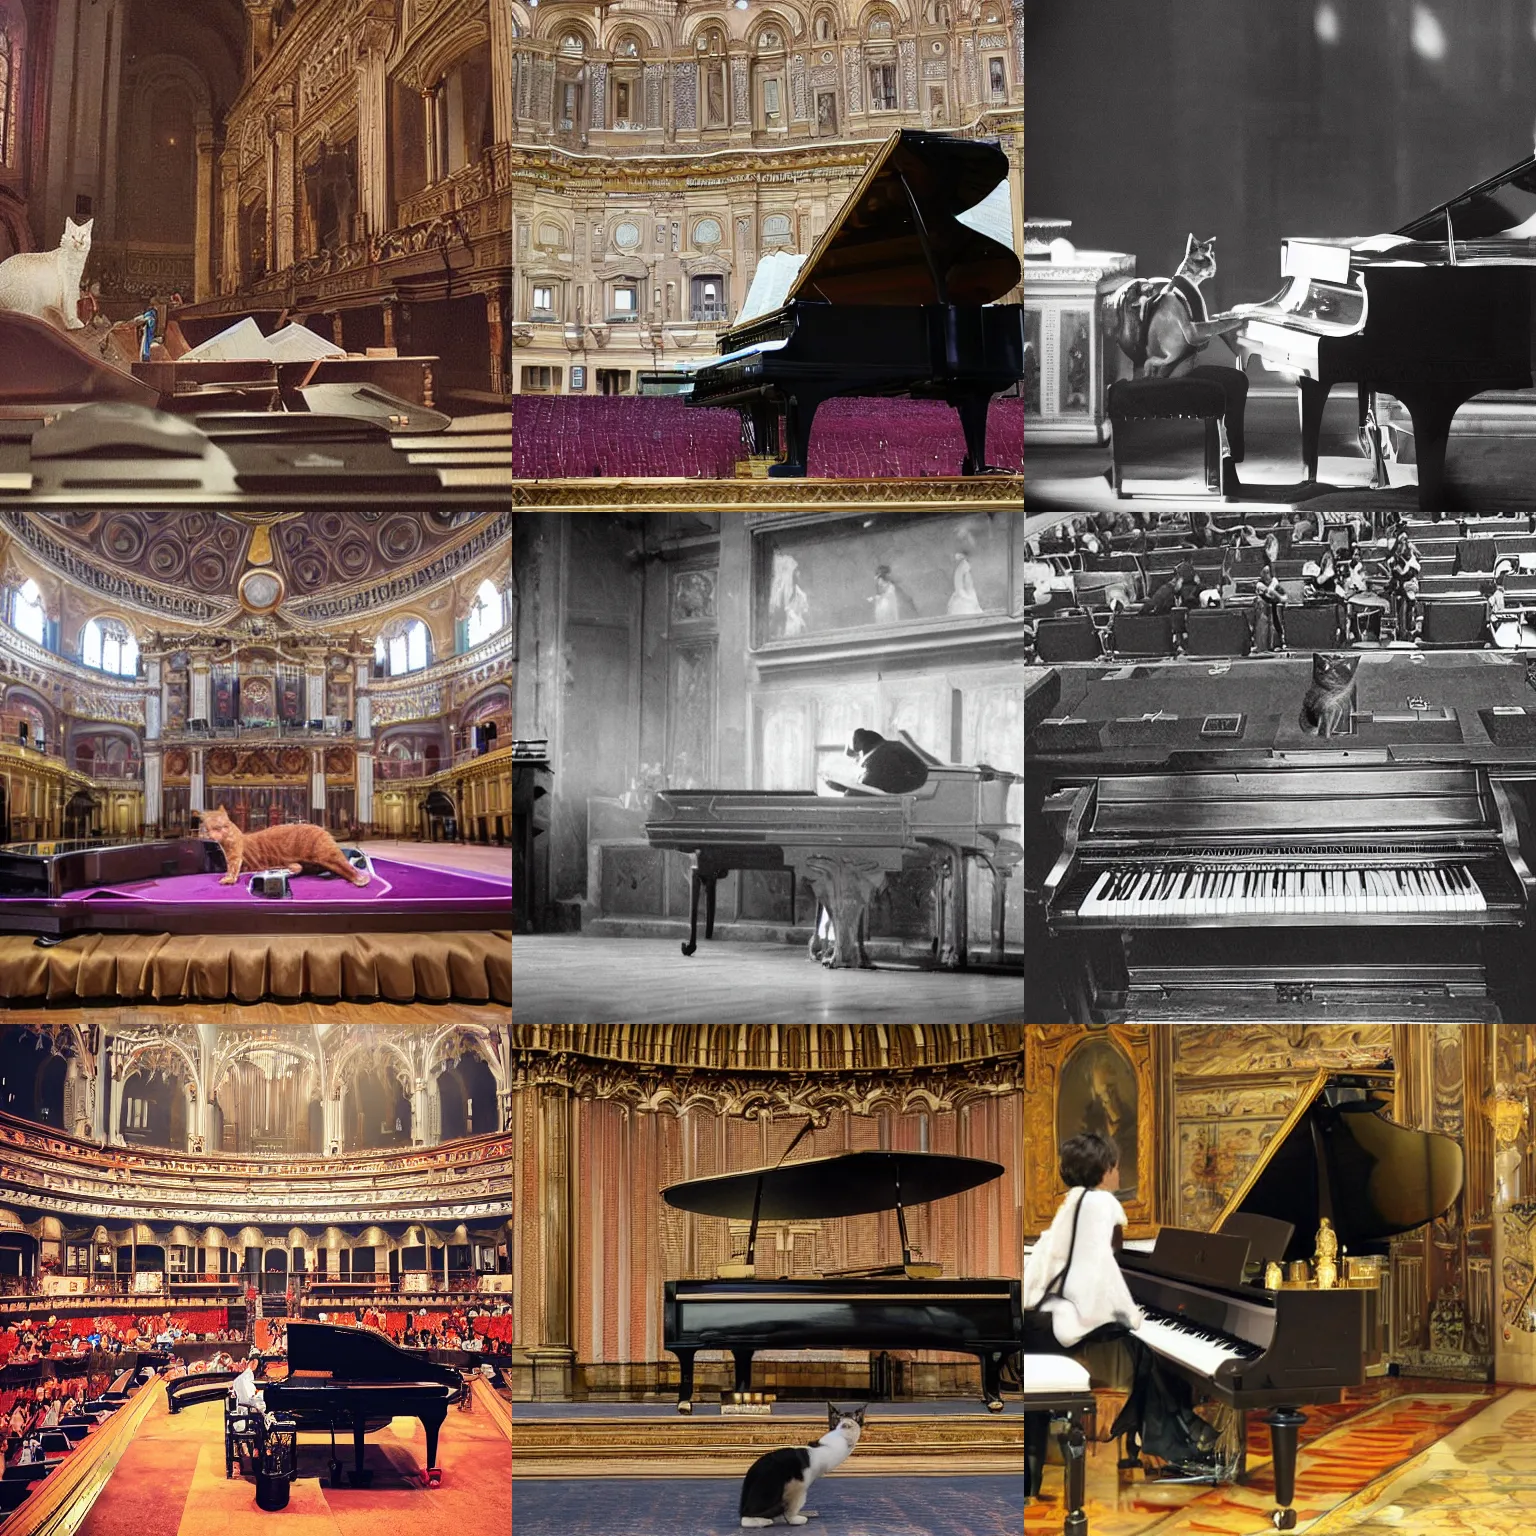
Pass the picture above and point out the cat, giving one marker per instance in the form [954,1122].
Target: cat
[1330,700]
[777,1482]
[47,283]
[277,848]
[1160,323]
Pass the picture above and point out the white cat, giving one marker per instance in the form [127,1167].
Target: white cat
[47,283]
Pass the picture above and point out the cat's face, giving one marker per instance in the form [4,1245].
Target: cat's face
[1199,258]
[77,235]
[217,825]
[1332,670]
[850,1421]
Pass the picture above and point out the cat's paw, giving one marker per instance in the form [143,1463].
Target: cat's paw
[229,879]
[362,880]
[810,1514]
[295,869]
[794,1519]
[753,1522]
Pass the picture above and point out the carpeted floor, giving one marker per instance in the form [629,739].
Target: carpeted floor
[170,1482]
[891,1506]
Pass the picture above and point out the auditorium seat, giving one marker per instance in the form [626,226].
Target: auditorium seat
[1311,626]
[1217,632]
[1448,623]
[1142,634]
[1071,638]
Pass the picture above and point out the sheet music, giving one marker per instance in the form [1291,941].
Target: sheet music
[993,217]
[243,342]
[775,276]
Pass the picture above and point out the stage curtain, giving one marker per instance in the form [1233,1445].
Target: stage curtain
[392,967]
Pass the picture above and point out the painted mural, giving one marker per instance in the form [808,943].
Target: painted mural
[878,572]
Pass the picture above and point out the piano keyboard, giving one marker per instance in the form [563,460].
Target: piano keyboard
[1201,1349]
[1184,890]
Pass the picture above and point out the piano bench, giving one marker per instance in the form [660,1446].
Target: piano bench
[1056,1387]
[1167,435]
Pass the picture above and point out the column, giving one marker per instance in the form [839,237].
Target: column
[207,152]
[434,149]
[258,14]
[282,187]
[362,722]
[196,799]
[317,786]
[113,1131]
[497,342]
[553,1359]
[230,275]
[373,42]
[100,1122]
[154,793]
[314,690]
[364,790]
[198,709]
[330,1120]
[387,313]
[502,33]
[420,1129]
[152,699]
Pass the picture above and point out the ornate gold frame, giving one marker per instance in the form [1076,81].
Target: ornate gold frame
[1305,1100]
[1047,1047]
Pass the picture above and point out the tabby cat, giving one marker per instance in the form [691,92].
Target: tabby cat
[1329,705]
[294,848]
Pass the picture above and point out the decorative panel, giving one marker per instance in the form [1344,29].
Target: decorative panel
[855,82]
[741,100]
[653,74]
[685,95]
[597,76]
[782,743]
[691,715]
[797,87]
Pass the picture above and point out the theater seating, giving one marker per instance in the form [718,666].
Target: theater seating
[1142,634]
[1448,623]
[560,437]
[1070,638]
[1311,626]
[1217,632]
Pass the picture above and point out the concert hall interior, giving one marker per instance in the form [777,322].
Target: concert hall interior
[1280,692]
[728,1240]
[1298,1287]
[253,1274]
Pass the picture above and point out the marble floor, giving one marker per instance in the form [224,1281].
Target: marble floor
[580,979]
[471,856]
[1415,1458]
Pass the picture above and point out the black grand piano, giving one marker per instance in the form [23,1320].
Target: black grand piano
[897,297]
[847,846]
[1433,314]
[906,1306]
[347,1375]
[1209,1315]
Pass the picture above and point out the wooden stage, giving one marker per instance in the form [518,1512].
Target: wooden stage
[580,979]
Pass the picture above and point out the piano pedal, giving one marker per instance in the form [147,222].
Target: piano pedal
[432,1477]
[335,1471]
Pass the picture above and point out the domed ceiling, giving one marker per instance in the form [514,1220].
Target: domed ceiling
[308,568]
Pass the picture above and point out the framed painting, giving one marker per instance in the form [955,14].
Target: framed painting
[1079,1079]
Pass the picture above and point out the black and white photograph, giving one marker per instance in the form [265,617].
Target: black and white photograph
[1280,537]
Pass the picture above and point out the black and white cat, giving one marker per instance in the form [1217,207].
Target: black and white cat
[777,1482]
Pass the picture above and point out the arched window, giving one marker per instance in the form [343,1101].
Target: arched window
[106,643]
[403,646]
[27,617]
[486,614]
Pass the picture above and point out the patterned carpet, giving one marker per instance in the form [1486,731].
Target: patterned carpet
[1345,1448]
[893,1506]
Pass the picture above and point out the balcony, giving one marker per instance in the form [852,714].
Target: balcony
[709,314]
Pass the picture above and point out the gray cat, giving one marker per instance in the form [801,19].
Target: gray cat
[47,283]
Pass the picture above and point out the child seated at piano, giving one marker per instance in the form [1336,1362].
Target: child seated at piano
[1075,1297]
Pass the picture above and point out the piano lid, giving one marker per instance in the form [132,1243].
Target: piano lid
[1498,206]
[352,1354]
[1337,1155]
[899,238]
[849,1184]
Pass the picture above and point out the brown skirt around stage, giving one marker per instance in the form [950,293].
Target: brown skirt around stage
[472,967]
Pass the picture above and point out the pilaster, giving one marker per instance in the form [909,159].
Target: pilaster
[207,141]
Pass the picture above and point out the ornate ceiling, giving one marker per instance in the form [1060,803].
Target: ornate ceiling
[304,568]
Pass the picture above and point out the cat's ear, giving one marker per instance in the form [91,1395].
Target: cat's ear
[1189,245]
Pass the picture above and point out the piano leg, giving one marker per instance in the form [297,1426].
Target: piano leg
[992,1380]
[684,1380]
[693,916]
[432,1423]
[1311,397]
[709,911]
[1074,1460]
[973,422]
[361,1477]
[799,411]
[743,1359]
[1284,1425]
[1432,406]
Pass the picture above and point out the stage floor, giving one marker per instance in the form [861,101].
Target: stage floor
[579,979]
[170,1482]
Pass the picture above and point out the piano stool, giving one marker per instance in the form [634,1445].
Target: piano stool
[1057,1387]
[1148,421]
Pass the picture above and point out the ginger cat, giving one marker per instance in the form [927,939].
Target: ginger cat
[277,848]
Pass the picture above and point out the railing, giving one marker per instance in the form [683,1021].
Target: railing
[710,314]
[386,769]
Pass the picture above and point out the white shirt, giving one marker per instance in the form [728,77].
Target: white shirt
[1094,1292]
[245,1390]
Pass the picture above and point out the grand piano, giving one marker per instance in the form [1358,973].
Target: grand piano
[847,846]
[906,1306]
[1209,1316]
[1433,314]
[897,297]
[339,1375]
